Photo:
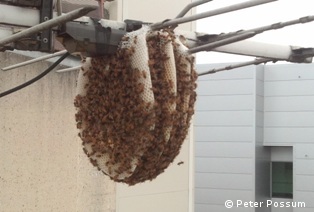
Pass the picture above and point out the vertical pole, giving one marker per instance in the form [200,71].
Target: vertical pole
[46,41]
[101,8]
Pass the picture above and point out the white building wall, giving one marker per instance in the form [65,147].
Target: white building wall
[304,175]
[289,104]
[273,106]
[289,121]
[224,136]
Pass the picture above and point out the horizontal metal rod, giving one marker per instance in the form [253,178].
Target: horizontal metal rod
[190,6]
[48,24]
[219,11]
[210,46]
[34,60]
[262,29]
[280,25]
[238,65]
[68,69]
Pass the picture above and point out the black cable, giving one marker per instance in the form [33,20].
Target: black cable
[50,68]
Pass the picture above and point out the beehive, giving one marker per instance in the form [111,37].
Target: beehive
[134,107]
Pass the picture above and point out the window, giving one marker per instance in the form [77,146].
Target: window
[282,183]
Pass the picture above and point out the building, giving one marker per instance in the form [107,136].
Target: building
[254,139]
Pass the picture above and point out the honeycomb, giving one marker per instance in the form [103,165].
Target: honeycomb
[134,107]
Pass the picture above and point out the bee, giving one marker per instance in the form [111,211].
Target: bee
[94,162]
[135,40]
[132,50]
[79,135]
[124,38]
[108,163]
[144,74]
[119,170]
[115,177]
[129,172]
[85,151]
[180,163]
[79,125]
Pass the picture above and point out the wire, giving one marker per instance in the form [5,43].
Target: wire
[50,68]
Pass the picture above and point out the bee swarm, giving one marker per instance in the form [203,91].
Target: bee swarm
[134,107]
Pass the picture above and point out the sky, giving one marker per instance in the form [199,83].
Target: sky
[278,11]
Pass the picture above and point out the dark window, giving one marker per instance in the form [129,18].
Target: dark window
[282,181]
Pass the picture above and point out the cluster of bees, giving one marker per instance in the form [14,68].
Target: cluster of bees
[134,107]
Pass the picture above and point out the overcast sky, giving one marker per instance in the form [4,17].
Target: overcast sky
[278,11]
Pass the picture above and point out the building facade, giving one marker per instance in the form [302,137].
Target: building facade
[254,134]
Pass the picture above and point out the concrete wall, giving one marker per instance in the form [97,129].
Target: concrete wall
[42,166]
[225,139]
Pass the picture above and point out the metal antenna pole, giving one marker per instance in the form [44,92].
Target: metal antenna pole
[262,29]
[238,65]
[190,6]
[48,24]
[34,60]
[59,7]
[280,25]
[227,9]
[101,8]
[68,69]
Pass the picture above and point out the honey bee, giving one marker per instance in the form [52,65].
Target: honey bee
[144,74]
[110,170]
[119,170]
[180,163]
[124,38]
[93,161]
[85,151]
[79,125]
[135,40]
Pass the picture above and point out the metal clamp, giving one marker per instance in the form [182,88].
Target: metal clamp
[46,41]
[301,55]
